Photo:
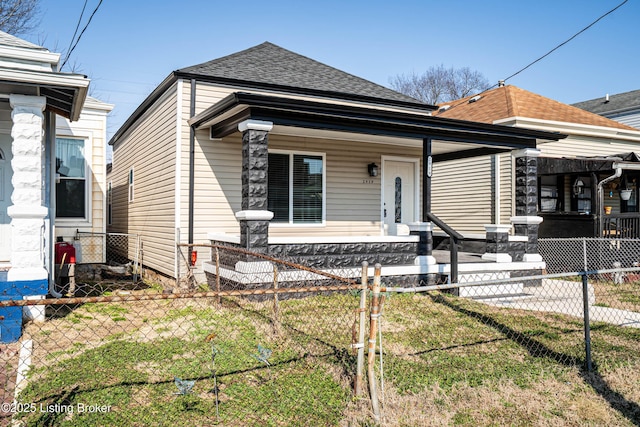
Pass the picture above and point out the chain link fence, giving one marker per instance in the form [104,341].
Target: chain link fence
[114,249]
[140,355]
[270,342]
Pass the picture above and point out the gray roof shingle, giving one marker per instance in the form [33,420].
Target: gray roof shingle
[273,65]
[619,102]
[9,40]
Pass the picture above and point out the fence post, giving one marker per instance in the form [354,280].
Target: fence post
[361,331]
[375,313]
[218,276]
[276,317]
[587,326]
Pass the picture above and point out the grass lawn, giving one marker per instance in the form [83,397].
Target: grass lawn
[447,361]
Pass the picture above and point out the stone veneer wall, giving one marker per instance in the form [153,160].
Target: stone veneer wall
[331,255]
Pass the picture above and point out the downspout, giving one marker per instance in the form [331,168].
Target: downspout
[600,195]
[496,188]
[50,199]
[192,154]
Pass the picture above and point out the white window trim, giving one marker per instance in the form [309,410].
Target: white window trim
[131,184]
[88,177]
[291,224]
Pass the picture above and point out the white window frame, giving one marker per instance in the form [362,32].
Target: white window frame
[290,223]
[131,184]
[88,178]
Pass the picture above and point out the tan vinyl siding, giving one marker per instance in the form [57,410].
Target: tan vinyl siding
[587,146]
[352,201]
[507,180]
[90,127]
[148,147]
[462,193]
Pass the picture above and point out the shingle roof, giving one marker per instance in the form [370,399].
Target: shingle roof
[9,40]
[511,101]
[273,65]
[619,102]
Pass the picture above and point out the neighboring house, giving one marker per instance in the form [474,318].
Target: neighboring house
[271,151]
[622,107]
[576,182]
[81,183]
[32,94]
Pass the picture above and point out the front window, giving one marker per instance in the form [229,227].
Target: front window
[71,181]
[296,188]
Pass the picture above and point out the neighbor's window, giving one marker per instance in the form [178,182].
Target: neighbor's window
[71,181]
[549,193]
[131,185]
[296,188]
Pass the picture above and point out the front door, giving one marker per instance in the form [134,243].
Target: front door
[5,200]
[399,188]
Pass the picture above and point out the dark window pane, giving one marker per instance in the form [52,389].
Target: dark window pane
[70,198]
[70,168]
[307,189]
[278,181]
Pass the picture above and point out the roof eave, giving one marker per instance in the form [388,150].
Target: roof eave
[144,106]
[296,112]
[306,91]
[77,84]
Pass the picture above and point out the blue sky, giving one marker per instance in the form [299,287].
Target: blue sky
[131,46]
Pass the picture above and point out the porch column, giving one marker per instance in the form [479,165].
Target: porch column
[526,222]
[254,217]
[27,212]
[427,168]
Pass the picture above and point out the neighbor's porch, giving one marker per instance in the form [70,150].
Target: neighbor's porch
[590,197]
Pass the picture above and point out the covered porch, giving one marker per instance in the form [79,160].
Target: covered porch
[590,196]
[403,242]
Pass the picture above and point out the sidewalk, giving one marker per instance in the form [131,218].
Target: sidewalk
[565,297]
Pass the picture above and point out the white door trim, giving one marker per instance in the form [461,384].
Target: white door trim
[417,186]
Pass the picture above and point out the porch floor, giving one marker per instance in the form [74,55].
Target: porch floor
[444,257]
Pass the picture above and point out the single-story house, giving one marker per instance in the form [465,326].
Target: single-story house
[33,92]
[621,107]
[271,151]
[580,178]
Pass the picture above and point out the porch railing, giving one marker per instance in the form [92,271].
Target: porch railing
[621,225]
[454,238]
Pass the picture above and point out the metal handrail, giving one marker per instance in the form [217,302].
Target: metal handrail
[454,238]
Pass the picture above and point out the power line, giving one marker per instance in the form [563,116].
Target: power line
[567,41]
[81,33]
[77,26]
[550,52]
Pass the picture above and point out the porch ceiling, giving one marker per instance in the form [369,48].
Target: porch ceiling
[65,92]
[450,138]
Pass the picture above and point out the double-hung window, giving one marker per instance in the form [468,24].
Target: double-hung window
[296,188]
[71,179]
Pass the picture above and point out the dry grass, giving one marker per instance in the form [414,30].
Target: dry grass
[447,361]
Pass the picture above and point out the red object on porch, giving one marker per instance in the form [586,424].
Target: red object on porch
[194,257]
[65,253]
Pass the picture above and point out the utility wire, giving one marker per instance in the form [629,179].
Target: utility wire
[548,53]
[81,33]
[77,26]
[567,41]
